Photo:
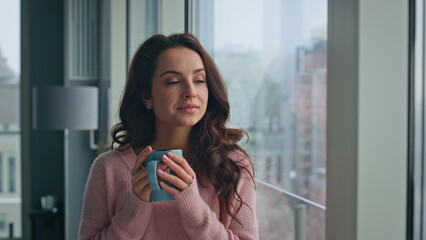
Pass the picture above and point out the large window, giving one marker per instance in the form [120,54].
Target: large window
[272,55]
[10,190]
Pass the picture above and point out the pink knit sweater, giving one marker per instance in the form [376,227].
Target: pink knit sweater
[112,211]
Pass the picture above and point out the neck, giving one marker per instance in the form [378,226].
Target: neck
[175,138]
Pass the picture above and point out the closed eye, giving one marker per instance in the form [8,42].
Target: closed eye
[172,82]
[200,81]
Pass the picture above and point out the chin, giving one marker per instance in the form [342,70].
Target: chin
[188,124]
[187,121]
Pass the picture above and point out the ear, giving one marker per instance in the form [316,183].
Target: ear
[147,101]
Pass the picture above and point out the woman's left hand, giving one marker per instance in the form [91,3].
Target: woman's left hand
[184,175]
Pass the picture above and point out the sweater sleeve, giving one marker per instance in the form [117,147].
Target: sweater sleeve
[200,222]
[97,221]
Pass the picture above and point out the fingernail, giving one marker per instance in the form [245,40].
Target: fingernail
[170,154]
[165,157]
[159,171]
[144,149]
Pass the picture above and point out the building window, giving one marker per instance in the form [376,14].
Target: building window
[12,174]
[2,222]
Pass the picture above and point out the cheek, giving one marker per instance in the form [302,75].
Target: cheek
[160,97]
[204,94]
[206,97]
[163,102]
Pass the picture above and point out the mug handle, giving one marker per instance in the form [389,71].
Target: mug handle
[152,175]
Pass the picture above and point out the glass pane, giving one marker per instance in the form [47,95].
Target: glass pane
[272,55]
[10,182]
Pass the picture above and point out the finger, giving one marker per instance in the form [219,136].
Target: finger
[146,194]
[141,187]
[140,180]
[178,170]
[140,159]
[139,176]
[171,190]
[143,192]
[174,180]
[163,167]
[181,162]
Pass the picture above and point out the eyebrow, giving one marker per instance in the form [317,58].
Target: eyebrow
[179,73]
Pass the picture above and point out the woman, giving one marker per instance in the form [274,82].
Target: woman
[175,98]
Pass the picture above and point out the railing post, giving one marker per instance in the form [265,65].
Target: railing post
[300,222]
[11,233]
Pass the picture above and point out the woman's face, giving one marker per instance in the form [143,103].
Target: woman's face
[179,89]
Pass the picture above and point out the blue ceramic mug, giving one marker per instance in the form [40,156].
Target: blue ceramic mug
[158,194]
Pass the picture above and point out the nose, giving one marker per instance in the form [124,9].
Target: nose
[190,91]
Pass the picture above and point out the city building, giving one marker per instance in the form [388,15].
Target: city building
[10,152]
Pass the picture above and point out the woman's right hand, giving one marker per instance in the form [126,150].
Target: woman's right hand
[140,183]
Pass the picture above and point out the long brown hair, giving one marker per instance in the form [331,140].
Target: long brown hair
[211,141]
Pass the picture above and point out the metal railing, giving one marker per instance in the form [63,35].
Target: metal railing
[299,205]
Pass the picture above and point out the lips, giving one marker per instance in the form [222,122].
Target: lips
[188,108]
[189,105]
